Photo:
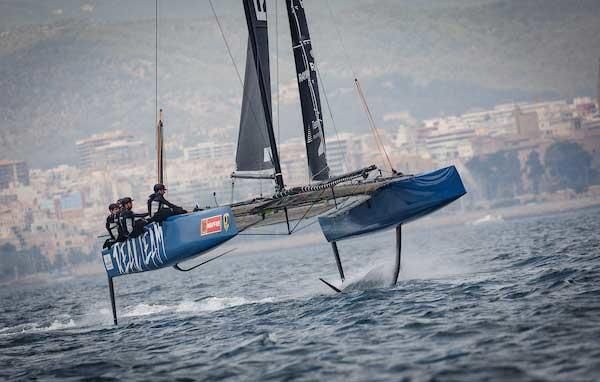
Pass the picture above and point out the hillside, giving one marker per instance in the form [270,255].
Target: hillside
[68,70]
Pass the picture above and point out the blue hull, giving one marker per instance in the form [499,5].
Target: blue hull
[398,202]
[179,238]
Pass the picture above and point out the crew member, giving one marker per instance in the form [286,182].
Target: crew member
[131,227]
[112,225]
[160,208]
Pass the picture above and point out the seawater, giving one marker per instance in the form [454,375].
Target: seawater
[495,300]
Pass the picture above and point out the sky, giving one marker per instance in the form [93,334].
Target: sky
[71,68]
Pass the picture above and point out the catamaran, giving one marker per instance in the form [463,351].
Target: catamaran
[359,202]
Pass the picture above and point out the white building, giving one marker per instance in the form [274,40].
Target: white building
[223,152]
[109,149]
[337,154]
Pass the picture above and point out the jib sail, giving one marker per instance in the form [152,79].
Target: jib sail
[309,91]
[254,149]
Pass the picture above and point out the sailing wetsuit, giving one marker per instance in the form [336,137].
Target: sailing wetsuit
[160,208]
[130,227]
[112,226]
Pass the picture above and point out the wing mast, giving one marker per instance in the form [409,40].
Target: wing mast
[308,87]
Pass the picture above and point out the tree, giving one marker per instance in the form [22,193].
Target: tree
[499,174]
[534,169]
[509,174]
[569,165]
[8,261]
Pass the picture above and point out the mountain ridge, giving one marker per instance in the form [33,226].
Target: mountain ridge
[83,73]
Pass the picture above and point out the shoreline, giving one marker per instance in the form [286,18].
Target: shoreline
[472,217]
[508,213]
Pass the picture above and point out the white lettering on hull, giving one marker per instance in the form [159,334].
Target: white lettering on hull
[140,254]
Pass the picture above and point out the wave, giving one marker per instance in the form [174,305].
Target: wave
[489,218]
[208,304]
[103,316]
[34,327]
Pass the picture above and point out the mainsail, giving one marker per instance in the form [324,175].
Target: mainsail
[254,152]
[309,91]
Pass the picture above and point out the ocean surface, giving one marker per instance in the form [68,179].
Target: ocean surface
[497,299]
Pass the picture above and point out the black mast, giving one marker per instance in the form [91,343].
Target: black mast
[160,158]
[250,11]
[308,88]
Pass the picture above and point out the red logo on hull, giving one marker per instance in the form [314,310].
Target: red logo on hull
[210,225]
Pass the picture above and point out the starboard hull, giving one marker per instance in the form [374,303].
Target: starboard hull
[179,238]
[395,203]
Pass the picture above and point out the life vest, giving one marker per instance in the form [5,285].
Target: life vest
[127,220]
[153,205]
[156,202]
[113,229]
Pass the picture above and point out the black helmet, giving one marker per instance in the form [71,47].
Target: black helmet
[159,186]
[112,206]
[125,200]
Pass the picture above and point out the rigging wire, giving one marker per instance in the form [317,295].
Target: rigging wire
[162,174]
[226,43]
[331,114]
[156,63]
[372,123]
[378,142]
[277,65]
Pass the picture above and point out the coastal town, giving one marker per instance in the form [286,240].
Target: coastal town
[509,155]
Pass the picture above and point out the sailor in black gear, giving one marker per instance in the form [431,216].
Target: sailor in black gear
[160,208]
[131,224]
[112,225]
[122,236]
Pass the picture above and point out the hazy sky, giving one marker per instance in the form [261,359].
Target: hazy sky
[71,68]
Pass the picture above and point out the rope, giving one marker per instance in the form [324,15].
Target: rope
[360,93]
[162,174]
[306,226]
[331,115]
[337,31]
[305,213]
[277,65]
[373,127]
[156,63]
[294,229]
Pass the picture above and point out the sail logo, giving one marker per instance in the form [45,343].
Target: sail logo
[303,76]
[267,155]
[260,6]
[210,225]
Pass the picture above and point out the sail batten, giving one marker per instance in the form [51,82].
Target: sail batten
[308,88]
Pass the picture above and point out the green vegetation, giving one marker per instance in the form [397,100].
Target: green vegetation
[568,165]
[534,171]
[16,263]
[500,175]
